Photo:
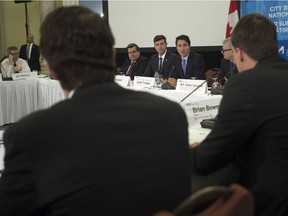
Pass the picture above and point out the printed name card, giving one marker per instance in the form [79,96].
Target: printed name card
[144,82]
[25,76]
[191,85]
[124,81]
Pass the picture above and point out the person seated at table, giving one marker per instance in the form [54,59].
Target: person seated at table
[96,158]
[228,67]
[135,64]
[162,62]
[188,64]
[13,64]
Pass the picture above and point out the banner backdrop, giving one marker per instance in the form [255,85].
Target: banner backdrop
[277,11]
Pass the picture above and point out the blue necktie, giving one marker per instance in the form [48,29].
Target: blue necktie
[184,66]
[232,67]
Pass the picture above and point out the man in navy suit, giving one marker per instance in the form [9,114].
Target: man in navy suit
[31,53]
[161,62]
[136,64]
[187,64]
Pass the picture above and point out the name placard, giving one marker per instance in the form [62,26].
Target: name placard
[142,82]
[25,76]
[190,85]
[124,81]
[196,111]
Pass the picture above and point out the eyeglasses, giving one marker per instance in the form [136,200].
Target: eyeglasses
[225,50]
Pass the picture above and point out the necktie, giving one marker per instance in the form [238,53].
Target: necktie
[131,69]
[184,66]
[232,67]
[160,64]
[28,51]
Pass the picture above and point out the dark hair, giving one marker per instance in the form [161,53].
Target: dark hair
[183,37]
[131,45]
[78,46]
[159,37]
[256,35]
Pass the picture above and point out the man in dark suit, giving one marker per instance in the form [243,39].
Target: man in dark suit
[252,123]
[161,62]
[228,67]
[105,150]
[31,53]
[187,64]
[136,64]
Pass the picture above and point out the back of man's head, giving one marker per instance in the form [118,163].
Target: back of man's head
[256,35]
[78,46]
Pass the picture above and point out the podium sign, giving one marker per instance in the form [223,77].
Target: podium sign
[190,85]
[25,76]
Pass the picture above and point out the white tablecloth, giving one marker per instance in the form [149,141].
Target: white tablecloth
[49,93]
[17,99]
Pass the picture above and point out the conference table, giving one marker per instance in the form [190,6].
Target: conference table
[22,97]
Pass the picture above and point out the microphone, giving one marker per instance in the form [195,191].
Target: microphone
[167,85]
[193,90]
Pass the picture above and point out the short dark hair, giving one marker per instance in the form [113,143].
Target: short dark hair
[131,45]
[78,46]
[256,35]
[183,37]
[159,37]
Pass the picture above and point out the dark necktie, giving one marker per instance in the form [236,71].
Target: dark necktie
[131,69]
[160,64]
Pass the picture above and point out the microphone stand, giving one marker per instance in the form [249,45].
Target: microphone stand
[193,90]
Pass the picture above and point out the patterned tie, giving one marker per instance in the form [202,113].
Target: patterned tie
[232,67]
[131,68]
[184,66]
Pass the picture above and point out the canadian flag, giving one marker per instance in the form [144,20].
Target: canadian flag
[232,18]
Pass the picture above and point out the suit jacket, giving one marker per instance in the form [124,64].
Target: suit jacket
[106,151]
[33,62]
[140,66]
[168,64]
[252,129]
[227,69]
[195,67]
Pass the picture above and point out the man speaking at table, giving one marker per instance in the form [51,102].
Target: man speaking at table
[103,151]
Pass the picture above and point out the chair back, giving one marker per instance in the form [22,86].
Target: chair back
[218,201]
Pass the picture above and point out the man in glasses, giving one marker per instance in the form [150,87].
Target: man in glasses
[13,64]
[228,67]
